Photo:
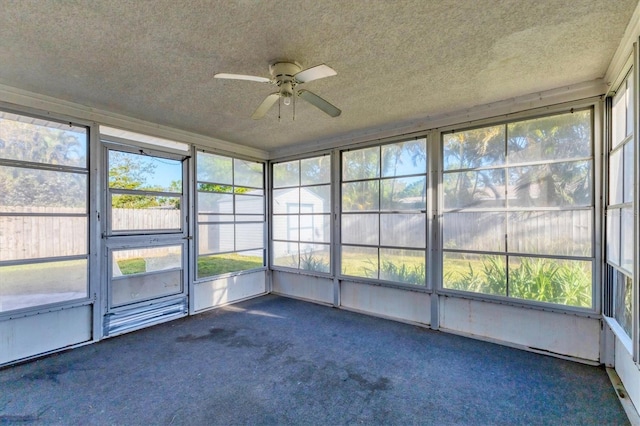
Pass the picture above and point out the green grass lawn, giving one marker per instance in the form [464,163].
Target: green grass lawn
[223,263]
[132,266]
[42,278]
[404,269]
[546,280]
[207,265]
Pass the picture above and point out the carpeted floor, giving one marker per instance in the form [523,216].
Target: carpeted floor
[274,360]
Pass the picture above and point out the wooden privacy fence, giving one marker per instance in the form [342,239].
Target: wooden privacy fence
[556,232]
[38,235]
[565,233]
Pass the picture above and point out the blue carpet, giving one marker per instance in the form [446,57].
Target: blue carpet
[274,360]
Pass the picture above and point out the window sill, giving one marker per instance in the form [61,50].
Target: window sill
[620,333]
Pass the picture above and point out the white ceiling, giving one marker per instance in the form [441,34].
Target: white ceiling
[396,60]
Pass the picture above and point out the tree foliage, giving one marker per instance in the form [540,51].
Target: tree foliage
[131,172]
[389,163]
[548,163]
[36,143]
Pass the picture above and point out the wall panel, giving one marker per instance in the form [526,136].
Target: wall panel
[301,286]
[219,292]
[46,332]
[559,334]
[628,372]
[387,302]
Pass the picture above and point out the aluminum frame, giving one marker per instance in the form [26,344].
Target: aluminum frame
[62,121]
[330,274]
[339,212]
[594,207]
[139,239]
[629,71]
[196,222]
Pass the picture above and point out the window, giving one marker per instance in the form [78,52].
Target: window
[43,212]
[145,193]
[302,214]
[619,213]
[145,273]
[518,210]
[230,208]
[383,216]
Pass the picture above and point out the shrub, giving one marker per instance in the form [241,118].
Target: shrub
[309,262]
[540,279]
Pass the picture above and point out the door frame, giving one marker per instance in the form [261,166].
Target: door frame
[145,312]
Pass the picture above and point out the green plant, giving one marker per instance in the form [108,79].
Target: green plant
[534,279]
[403,273]
[309,262]
[489,277]
[544,280]
[495,275]
[575,282]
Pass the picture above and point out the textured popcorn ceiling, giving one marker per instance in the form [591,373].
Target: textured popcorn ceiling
[396,60]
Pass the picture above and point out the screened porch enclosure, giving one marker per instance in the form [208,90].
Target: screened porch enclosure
[514,222]
[501,212]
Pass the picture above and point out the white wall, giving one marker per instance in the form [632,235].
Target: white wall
[628,372]
[532,329]
[28,336]
[301,286]
[387,302]
[222,291]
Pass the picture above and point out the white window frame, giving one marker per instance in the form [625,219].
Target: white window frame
[28,115]
[594,207]
[329,215]
[197,222]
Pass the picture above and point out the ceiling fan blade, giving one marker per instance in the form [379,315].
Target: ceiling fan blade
[319,103]
[265,105]
[314,73]
[242,77]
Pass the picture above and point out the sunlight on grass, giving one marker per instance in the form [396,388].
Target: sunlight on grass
[223,263]
[46,277]
[132,266]
[396,268]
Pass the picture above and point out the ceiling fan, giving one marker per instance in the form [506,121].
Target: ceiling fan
[287,76]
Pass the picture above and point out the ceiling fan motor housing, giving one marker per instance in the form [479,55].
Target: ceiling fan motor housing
[282,73]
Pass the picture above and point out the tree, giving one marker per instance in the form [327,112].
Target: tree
[45,144]
[564,137]
[130,171]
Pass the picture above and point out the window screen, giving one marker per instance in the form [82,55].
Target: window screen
[230,211]
[383,212]
[619,212]
[301,206]
[43,212]
[518,210]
